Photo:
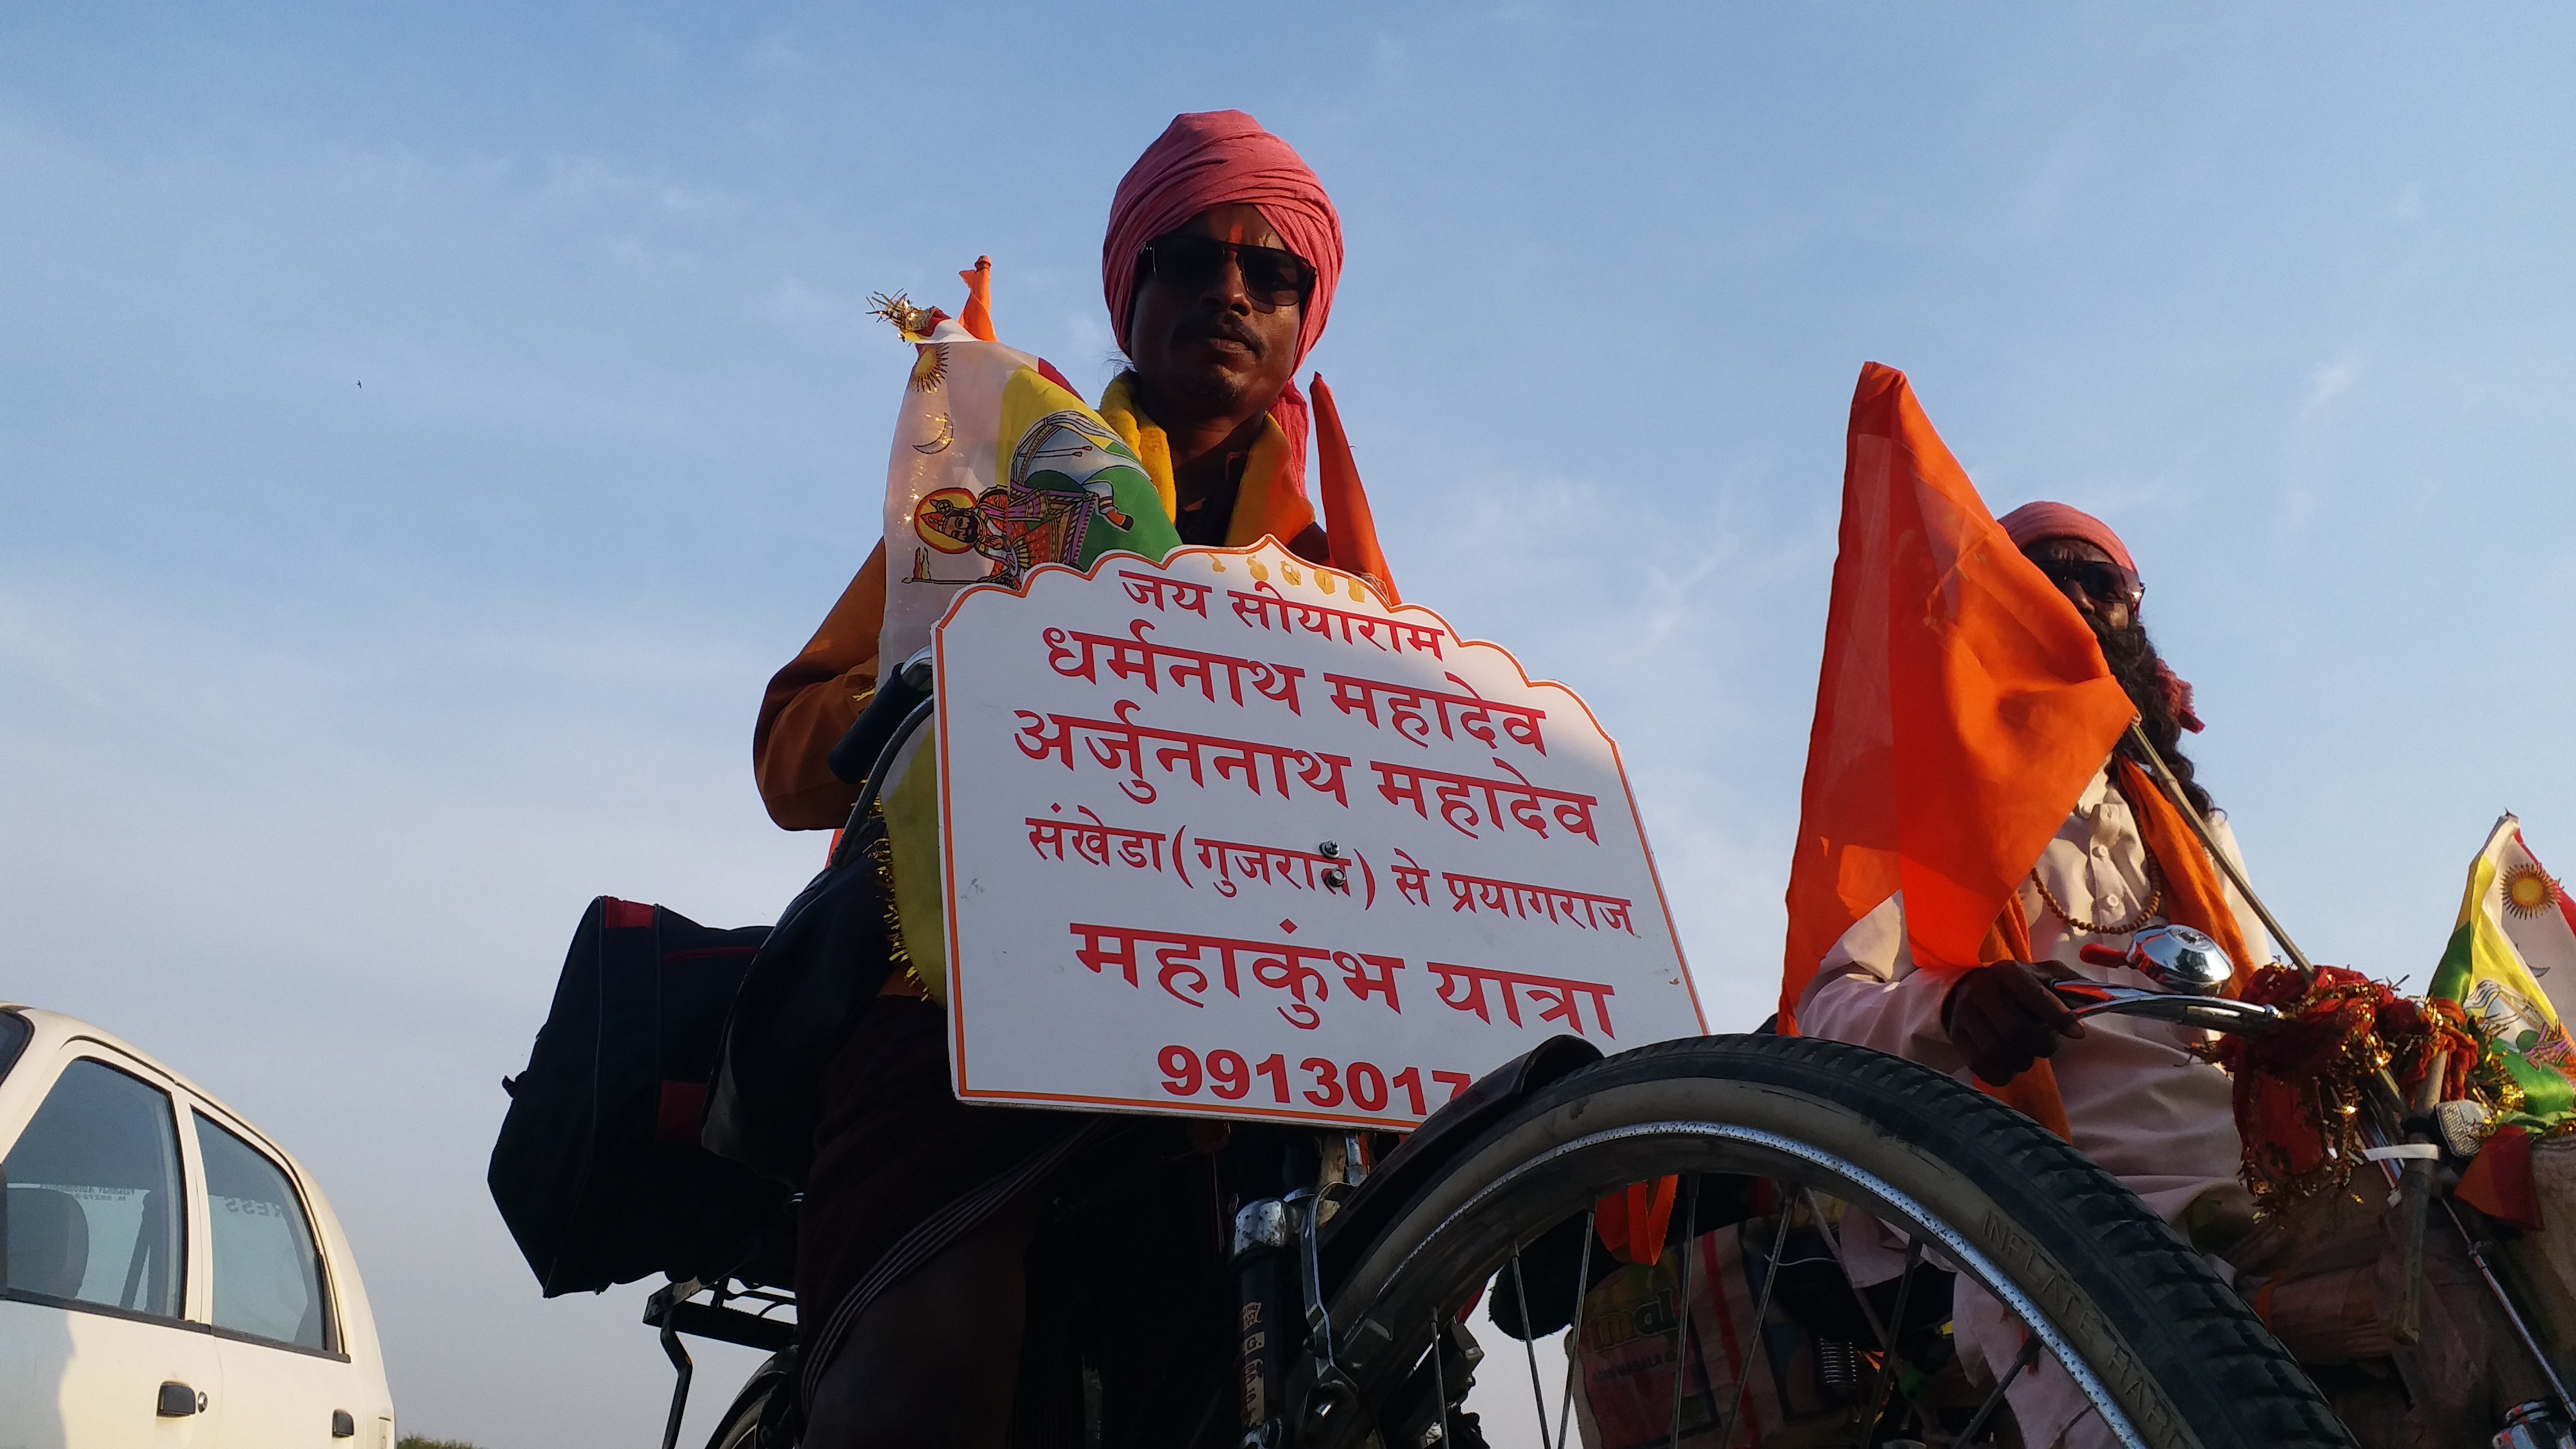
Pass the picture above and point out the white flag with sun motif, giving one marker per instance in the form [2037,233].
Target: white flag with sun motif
[2511,963]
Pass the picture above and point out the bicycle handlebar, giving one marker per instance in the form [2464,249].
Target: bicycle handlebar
[2213,1013]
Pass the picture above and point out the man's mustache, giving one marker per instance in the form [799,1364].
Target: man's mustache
[1218,326]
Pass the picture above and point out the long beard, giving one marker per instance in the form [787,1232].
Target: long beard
[2134,662]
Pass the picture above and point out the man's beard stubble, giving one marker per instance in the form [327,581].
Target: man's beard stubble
[2134,662]
[1208,389]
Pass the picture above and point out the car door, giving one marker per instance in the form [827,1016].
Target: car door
[287,1375]
[95,1348]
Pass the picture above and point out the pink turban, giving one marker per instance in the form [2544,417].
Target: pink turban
[1213,158]
[2036,522]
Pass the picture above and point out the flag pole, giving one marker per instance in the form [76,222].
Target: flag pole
[2173,791]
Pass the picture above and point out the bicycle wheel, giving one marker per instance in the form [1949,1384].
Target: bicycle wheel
[761,1415]
[2155,1343]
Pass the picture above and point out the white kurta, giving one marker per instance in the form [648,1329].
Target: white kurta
[2151,1114]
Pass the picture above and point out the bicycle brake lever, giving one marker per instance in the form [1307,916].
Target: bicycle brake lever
[2213,1013]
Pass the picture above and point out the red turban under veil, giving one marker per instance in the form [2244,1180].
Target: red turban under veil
[2038,522]
[1214,158]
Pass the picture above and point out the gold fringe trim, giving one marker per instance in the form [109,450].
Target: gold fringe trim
[880,854]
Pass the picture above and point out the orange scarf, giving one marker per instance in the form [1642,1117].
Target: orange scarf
[1272,500]
[2195,896]
[2195,890]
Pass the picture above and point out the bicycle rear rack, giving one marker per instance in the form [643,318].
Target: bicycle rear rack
[672,1309]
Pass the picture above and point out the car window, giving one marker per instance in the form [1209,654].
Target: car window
[94,1208]
[268,1279]
[14,1032]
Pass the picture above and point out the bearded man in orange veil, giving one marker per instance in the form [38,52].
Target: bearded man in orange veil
[1958,712]
[2136,1100]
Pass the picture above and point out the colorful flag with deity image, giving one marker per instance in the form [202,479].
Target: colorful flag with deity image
[998,466]
[2511,964]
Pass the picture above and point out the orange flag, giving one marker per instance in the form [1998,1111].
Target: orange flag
[1348,526]
[978,319]
[1962,706]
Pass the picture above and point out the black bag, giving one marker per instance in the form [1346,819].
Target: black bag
[831,951]
[598,1171]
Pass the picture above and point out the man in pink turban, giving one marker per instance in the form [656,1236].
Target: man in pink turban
[937,1303]
[1219,268]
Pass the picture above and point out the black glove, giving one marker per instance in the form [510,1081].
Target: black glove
[2003,1017]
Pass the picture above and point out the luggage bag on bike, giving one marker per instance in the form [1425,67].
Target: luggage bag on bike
[598,1171]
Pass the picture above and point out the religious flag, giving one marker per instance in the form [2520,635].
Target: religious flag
[2511,964]
[1962,706]
[997,467]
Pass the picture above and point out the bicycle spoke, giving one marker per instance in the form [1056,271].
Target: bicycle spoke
[2020,1365]
[1529,1344]
[1877,1404]
[1681,1333]
[1439,1384]
[1574,1334]
[1834,1250]
[1753,1334]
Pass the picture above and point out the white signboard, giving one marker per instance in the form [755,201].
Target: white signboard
[1230,837]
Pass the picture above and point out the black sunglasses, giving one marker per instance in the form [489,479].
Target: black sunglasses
[1272,278]
[2103,583]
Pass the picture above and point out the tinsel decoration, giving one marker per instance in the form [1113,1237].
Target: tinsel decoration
[915,323]
[2301,1088]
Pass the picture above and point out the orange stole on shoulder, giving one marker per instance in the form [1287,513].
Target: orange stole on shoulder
[2195,892]
[2195,896]
[1349,527]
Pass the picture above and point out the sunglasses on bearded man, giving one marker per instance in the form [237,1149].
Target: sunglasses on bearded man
[2103,583]
[1272,278]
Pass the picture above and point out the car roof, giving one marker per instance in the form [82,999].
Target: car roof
[53,1029]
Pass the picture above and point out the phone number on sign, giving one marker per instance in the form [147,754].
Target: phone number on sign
[1227,1076]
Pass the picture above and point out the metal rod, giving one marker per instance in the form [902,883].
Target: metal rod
[1529,1345]
[2173,791]
[2513,1315]
[2415,1192]
[1761,1310]
[679,1391]
[1574,1334]
[1887,1356]
[1681,1336]
[1834,1250]
[2020,1365]
[1439,1381]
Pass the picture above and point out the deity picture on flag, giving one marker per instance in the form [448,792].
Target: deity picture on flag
[998,467]
[1066,472]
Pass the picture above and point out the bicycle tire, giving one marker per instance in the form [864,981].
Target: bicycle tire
[2176,1359]
[757,1407]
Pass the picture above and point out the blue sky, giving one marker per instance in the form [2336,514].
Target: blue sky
[324,708]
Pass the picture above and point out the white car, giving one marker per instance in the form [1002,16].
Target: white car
[172,1279]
